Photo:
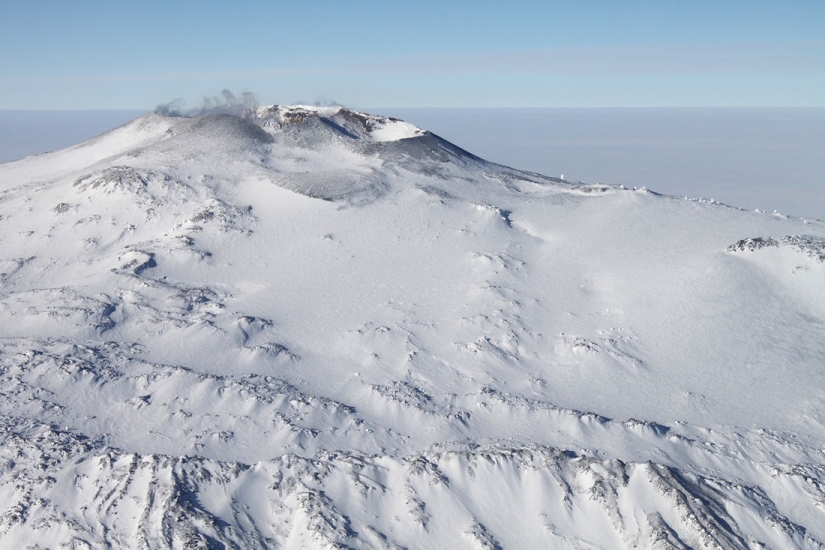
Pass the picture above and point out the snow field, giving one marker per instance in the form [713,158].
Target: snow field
[313,327]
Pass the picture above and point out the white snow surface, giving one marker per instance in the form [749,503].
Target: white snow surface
[317,328]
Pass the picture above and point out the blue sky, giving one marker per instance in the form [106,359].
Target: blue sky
[122,54]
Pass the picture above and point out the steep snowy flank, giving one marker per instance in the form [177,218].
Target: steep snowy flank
[310,327]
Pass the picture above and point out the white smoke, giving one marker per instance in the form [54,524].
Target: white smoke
[224,103]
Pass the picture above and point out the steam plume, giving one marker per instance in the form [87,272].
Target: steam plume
[224,103]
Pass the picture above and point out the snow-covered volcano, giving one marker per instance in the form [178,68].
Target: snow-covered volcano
[314,327]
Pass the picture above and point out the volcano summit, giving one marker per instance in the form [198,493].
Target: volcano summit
[311,327]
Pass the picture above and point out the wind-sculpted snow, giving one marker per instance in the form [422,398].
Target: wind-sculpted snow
[313,327]
[346,499]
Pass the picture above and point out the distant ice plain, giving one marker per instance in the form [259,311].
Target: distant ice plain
[770,159]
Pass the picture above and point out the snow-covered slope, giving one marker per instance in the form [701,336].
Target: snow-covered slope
[313,327]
